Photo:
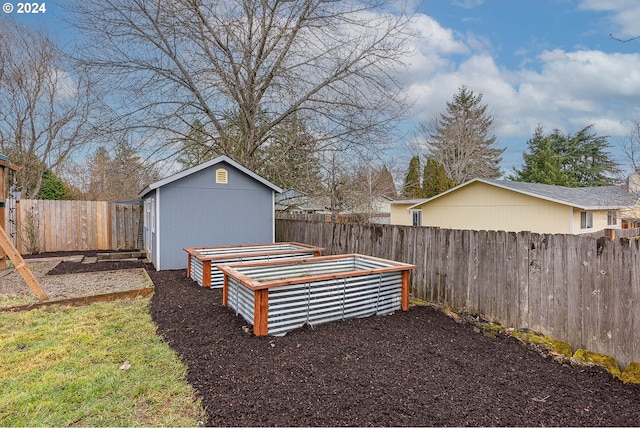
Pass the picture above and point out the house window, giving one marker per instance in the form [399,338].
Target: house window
[586,220]
[221,176]
[416,218]
[612,218]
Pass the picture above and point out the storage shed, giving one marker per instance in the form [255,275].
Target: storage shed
[219,202]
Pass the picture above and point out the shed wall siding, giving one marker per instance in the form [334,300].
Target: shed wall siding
[196,211]
[483,207]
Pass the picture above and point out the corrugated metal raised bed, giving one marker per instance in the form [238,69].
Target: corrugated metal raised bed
[280,296]
[202,260]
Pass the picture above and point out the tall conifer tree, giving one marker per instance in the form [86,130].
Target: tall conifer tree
[579,160]
[462,139]
[412,188]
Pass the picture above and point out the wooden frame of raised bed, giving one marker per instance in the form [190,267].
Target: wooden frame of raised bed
[280,296]
[202,260]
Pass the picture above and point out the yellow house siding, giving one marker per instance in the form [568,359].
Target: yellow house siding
[481,206]
[599,221]
[400,215]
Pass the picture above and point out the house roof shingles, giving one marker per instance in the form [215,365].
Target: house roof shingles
[586,198]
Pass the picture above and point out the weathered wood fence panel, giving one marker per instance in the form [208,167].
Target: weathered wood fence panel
[583,290]
[78,225]
[125,221]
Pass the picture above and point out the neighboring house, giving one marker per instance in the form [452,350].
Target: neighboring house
[483,204]
[400,213]
[217,203]
[294,202]
[376,209]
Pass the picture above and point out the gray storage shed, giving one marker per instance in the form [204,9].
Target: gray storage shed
[219,202]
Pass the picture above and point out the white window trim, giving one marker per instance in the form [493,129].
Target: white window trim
[413,217]
[588,220]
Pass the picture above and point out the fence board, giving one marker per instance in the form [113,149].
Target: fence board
[80,225]
[632,342]
[545,311]
[574,291]
[560,286]
[607,281]
[510,272]
[522,297]
[590,296]
[579,289]
[622,316]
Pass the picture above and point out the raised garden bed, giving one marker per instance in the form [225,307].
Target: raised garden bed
[202,260]
[279,296]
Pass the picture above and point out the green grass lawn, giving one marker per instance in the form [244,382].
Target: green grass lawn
[61,366]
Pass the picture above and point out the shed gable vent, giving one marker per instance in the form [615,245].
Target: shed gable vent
[221,176]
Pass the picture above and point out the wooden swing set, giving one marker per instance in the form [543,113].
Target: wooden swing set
[6,246]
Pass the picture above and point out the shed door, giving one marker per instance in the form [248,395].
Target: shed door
[149,219]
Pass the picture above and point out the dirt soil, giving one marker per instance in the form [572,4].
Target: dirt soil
[412,368]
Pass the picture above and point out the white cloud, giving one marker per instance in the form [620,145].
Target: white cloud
[561,89]
[468,4]
[625,15]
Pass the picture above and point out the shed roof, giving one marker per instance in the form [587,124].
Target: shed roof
[205,165]
[586,198]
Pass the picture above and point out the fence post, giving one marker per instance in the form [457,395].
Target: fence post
[610,233]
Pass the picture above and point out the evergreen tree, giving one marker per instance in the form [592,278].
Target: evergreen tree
[412,188]
[290,159]
[579,160]
[374,181]
[119,176]
[461,139]
[52,187]
[195,150]
[98,166]
[588,160]
[434,179]
[385,183]
[543,164]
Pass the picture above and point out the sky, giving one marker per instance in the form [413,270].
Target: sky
[536,62]
[550,63]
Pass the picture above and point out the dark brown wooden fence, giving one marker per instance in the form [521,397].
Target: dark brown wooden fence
[78,225]
[583,290]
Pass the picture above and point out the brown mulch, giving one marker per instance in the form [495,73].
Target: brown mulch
[412,368]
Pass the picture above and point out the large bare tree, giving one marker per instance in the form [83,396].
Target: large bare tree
[44,104]
[245,67]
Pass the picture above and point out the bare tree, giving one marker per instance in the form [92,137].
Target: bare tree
[244,67]
[44,107]
[631,150]
[112,175]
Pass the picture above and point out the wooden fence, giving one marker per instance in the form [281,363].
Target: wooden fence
[77,225]
[582,290]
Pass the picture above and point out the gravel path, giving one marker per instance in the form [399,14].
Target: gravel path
[14,290]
